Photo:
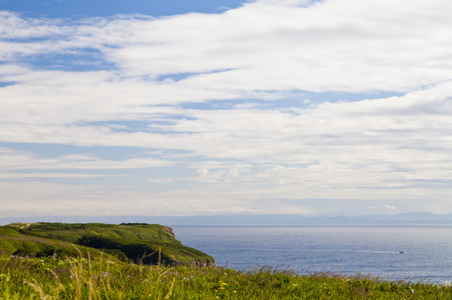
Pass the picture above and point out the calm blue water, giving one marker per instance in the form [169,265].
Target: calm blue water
[347,250]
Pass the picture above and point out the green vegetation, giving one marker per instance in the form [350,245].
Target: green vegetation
[141,261]
[102,278]
[140,243]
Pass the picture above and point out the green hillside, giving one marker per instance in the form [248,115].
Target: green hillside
[140,243]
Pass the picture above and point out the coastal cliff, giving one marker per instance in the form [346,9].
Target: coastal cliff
[136,242]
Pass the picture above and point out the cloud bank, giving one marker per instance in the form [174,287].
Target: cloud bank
[272,107]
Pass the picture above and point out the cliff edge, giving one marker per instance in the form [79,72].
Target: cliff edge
[137,242]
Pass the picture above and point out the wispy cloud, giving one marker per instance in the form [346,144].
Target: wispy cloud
[13,160]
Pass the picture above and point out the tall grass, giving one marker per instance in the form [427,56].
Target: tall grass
[101,278]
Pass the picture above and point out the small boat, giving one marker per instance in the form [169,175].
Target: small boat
[402,252]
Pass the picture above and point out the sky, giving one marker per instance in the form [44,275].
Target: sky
[209,107]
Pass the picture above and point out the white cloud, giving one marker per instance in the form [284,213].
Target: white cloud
[28,198]
[383,206]
[246,156]
[332,45]
[16,176]
[14,160]
[267,45]
[15,27]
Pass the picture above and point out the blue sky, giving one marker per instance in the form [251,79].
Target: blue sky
[173,108]
[102,8]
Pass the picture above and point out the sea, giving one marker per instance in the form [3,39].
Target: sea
[407,253]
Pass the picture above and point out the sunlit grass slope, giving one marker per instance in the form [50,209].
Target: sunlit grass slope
[140,243]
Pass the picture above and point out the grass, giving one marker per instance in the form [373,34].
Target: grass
[102,278]
[134,242]
[73,232]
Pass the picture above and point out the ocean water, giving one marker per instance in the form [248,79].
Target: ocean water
[413,253]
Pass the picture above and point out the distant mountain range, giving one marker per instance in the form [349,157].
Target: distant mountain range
[420,218]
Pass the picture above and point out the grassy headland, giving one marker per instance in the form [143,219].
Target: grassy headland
[140,243]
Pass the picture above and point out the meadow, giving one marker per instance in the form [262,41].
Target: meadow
[105,278]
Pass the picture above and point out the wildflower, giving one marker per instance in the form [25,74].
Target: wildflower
[411,289]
